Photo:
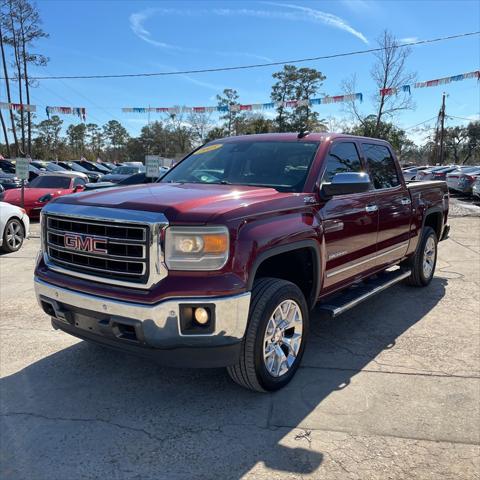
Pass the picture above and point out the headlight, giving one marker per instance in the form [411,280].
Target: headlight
[45,198]
[196,248]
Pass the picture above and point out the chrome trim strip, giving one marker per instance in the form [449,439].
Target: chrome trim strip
[231,312]
[101,256]
[344,269]
[96,269]
[121,241]
[362,298]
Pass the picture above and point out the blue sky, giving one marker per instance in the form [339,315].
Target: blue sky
[114,37]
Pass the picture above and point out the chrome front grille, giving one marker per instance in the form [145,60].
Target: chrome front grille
[114,251]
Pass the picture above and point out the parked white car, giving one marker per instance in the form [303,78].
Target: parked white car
[14,227]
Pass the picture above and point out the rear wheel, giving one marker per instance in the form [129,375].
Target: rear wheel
[275,339]
[13,235]
[425,259]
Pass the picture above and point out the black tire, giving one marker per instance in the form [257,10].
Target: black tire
[250,371]
[10,244]
[419,278]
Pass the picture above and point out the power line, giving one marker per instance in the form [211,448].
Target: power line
[462,118]
[257,65]
[421,123]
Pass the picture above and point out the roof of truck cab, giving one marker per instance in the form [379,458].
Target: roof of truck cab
[294,136]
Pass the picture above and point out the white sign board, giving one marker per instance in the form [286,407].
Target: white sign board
[152,166]
[21,168]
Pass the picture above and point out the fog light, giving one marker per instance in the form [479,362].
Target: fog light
[201,316]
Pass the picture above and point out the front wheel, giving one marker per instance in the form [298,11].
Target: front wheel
[13,235]
[275,338]
[425,259]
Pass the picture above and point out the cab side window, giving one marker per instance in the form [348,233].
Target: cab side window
[343,157]
[381,166]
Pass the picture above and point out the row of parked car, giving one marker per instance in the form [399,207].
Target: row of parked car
[460,178]
[48,180]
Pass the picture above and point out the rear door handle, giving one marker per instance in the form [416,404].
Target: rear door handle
[405,201]
[372,207]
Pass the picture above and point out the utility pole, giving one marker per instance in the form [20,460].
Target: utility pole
[442,129]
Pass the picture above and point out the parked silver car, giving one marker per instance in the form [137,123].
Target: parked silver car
[476,187]
[436,173]
[412,172]
[462,180]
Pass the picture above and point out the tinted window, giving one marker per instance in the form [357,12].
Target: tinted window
[124,170]
[280,165]
[78,181]
[49,181]
[381,166]
[134,179]
[343,157]
[53,167]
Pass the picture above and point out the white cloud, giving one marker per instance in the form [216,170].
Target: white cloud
[409,40]
[292,13]
[137,25]
[318,16]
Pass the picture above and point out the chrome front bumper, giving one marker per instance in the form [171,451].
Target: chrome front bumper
[158,326]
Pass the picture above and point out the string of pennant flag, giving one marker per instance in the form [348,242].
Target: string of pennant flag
[81,112]
[18,107]
[430,83]
[247,107]
[78,111]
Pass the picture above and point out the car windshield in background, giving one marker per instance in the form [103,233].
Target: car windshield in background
[280,165]
[78,168]
[50,181]
[124,170]
[55,168]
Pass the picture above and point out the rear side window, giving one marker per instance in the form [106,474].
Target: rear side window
[343,157]
[381,166]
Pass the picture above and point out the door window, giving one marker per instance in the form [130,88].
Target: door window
[381,166]
[343,157]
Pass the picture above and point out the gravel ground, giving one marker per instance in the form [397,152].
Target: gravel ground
[390,390]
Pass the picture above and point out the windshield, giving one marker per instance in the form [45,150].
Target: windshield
[124,170]
[101,168]
[53,167]
[78,168]
[50,181]
[280,165]
[87,166]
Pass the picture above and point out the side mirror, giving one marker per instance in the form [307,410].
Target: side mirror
[345,184]
[79,188]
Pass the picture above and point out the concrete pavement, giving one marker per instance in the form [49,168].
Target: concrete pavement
[390,390]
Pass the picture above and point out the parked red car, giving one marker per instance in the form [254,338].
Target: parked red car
[42,189]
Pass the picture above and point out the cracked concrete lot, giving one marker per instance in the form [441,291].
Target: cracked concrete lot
[390,390]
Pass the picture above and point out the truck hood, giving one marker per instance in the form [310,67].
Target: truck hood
[191,203]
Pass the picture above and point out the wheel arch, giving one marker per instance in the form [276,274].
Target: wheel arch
[267,258]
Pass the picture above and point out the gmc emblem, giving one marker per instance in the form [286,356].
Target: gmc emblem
[85,243]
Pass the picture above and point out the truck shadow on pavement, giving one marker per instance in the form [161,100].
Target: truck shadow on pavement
[87,412]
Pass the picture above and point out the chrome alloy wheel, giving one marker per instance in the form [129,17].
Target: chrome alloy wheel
[14,235]
[283,338]
[429,254]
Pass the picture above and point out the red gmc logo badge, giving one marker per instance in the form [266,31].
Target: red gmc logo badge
[85,243]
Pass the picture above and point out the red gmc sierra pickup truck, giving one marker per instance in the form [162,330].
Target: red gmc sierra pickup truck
[220,262]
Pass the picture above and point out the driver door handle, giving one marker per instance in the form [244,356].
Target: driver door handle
[371,207]
[405,201]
